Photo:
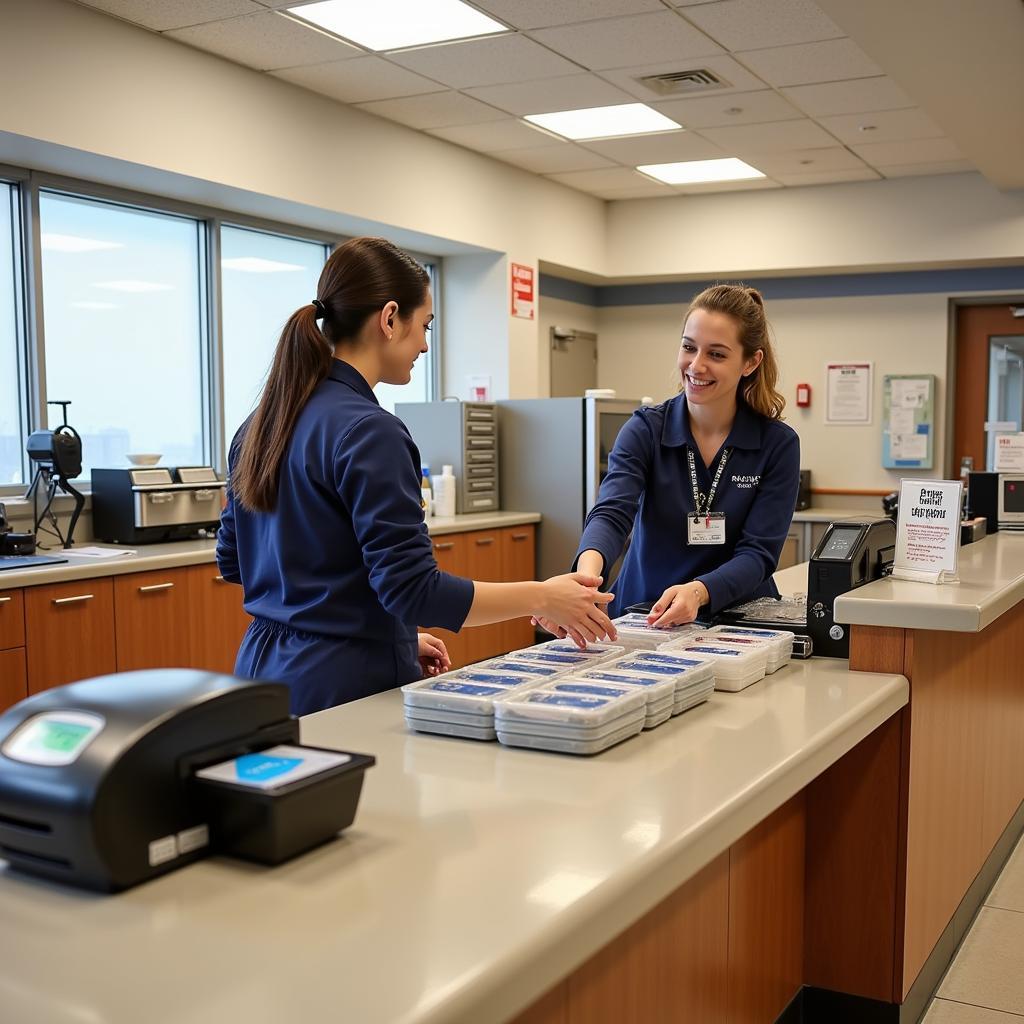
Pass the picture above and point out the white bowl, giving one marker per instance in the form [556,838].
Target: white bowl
[144,459]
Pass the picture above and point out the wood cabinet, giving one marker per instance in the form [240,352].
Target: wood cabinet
[518,562]
[13,677]
[152,619]
[450,554]
[69,632]
[217,619]
[483,563]
[12,619]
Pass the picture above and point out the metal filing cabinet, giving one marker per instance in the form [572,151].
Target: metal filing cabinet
[464,435]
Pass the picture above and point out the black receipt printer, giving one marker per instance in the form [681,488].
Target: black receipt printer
[113,781]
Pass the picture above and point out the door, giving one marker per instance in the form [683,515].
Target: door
[218,619]
[450,554]
[518,562]
[573,362]
[151,616]
[483,562]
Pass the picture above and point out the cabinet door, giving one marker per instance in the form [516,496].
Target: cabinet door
[12,619]
[518,562]
[218,619]
[152,619]
[483,562]
[13,679]
[450,553]
[69,632]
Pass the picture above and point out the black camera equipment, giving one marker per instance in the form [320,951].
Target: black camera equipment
[57,456]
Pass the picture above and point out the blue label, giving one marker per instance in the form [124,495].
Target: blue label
[612,677]
[564,700]
[568,647]
[743,631]
[715,650]
[659,656]
[598,691]
[258,767]
[554,657]
[649,666]
[443,686]
[518,666]
[494,679]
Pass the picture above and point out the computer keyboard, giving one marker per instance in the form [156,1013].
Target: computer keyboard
[27,561]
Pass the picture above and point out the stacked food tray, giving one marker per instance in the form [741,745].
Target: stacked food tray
[693,675]
[635,634]
[736,666]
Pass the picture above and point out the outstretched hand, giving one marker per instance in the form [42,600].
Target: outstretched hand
[433,655]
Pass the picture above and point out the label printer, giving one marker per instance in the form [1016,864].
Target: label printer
[110,782]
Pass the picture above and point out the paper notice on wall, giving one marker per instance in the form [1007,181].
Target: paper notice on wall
[909,394]
[523,295]
[901,421]
[908,446]
[848,397]
[1010,453]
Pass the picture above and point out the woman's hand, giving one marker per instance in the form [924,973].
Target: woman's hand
[678,605]
[573,602]
[433,655]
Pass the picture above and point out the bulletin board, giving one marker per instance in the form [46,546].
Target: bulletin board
[908,421]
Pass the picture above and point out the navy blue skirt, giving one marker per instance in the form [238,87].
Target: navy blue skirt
[323,671]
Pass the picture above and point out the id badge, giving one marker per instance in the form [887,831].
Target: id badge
[706,530]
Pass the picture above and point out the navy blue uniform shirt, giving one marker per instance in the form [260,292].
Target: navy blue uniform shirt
[344,558]
[648,491]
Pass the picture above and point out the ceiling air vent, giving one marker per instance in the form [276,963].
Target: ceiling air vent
[676,82]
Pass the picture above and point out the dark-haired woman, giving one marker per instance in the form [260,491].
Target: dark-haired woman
[705,482]
[323,526]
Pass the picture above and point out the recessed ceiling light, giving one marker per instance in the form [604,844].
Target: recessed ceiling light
[257,265]
[394,24]
[74,243]
[605,122]
[693,172]
[133,286]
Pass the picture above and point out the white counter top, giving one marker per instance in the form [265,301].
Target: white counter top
[991,583]
[475,876]
[197,552]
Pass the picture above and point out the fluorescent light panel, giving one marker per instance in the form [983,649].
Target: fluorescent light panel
[395,24]
[695,172]
[605,122]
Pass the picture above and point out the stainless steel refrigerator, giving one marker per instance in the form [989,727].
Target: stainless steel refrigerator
[554,455]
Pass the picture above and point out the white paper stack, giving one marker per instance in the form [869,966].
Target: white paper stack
[778,641]
[570,721]
[694,675]
[461,703]
[736,667]
[635,634]
[660,689]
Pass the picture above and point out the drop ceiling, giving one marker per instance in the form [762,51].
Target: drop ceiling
[801,101]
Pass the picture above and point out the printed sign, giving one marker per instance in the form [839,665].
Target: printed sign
[1010,453]
[928,531]
[522,291]
[848,394]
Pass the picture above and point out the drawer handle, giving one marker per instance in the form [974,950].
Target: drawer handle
[483,542]
[160,498]
[154,587]
[73,600]
[444,547]
[6,600]
[520,536]
[219,579]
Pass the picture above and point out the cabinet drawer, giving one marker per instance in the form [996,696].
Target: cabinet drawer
[218,620]
[69,632]
[12,619]
[151,615]
[13,678]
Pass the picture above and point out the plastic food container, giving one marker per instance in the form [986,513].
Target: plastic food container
[779,641]
[634,632]
[735,667]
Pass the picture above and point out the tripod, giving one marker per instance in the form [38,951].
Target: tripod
[45,480]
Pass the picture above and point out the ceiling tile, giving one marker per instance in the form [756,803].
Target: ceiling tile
[757,24]
[434,110]
[939,167]
[555,159]
[662,148]
[808,161]
[492,61]
[773,137]
[731,109]
[828,61]
[160,15]
[881,126]
[727,69]
[622,42]
[828,177]
[358,80]
[920,151]
[265,41]
[542,13]
[495,136]
[853,97]
[612,179]
[750,185]
[541,95]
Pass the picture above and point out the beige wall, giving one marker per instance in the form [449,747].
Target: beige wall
[559,313]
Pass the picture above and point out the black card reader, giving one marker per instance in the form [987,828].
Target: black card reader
[110,782]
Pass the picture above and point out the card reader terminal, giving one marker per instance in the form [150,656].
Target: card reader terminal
[110,782]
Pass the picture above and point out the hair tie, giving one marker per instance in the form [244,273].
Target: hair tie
[321,309]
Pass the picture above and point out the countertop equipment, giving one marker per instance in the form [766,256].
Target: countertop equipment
[851,553]
[146,506]
[112,781]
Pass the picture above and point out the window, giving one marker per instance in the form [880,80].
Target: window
[11,395]
[421,387]
[264,279]
[125,313]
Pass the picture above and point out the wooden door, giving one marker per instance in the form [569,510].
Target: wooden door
[12,619]
[218,620]
[450,553]
[975,325]
[152,620]
[13,678]
[518,562]
[69,632]
[483,562]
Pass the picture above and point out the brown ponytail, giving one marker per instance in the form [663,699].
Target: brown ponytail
[359,279]
[746,306]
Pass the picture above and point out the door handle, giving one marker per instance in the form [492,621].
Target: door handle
[483,542]
[445,547]
[219,579]
[6,600]
[73,600]
[520,536]
[154,587]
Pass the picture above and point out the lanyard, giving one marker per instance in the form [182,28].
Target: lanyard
[697,497]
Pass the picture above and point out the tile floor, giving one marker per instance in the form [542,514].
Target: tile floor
[985,981]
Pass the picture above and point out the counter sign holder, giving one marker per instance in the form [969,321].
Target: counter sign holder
[928,531]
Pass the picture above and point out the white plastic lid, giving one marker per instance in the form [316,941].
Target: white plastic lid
[599,393]
[447,470]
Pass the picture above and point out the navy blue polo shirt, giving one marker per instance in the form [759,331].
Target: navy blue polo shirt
[345,553]
[648,491]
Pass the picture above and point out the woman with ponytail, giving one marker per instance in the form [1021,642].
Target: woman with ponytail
[707,481]
[323,526]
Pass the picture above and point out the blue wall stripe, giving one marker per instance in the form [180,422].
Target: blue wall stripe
[823,286]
